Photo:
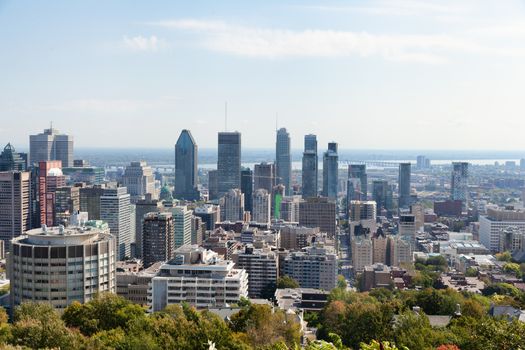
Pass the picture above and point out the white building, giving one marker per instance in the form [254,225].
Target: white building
[197,276]
[182,225]
[362,252]
[115,209]
[60,265]
[261,206]
[313,267]
[496,220]
[139,180]
[232,205]
[400,251]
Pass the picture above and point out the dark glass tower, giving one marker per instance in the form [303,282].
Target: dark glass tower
[247,188]
[404,185]
[310,167]
[229,162]
[283,160]
[330,171]
[10,160]
[382,194]
[186,167]
[357,175]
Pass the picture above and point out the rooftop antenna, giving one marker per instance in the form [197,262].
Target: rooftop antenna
[276,121]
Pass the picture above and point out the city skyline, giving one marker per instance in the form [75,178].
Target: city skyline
[315,67]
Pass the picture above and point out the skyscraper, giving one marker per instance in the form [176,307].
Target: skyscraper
[90,200]
[158,238]
[10,160]
[232,205]
[247,188]
[404,185]
[186,153]
[67,203]
[318,212]
[330,171]
[229,162]
[382,194]
[357,174]
[213,186]
[138,179]
[182,225]
[14,205]
[115,209]
[261,206]
[283,160]
[310,167]
[51,145]
[143,207]
[459,182]
[50,177]
[264,176]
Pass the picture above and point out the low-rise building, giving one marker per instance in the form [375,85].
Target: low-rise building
[198,277]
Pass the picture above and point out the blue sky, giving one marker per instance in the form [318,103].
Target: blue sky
[384,74]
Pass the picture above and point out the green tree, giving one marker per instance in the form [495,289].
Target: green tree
[105,312]
[38,326]
[287,282]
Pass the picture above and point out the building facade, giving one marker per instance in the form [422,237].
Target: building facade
[51,145]
[15,199]
[158,241]
[115,209]
[310,165]
[261,206]
[186,162]
[404,185]
[330,171]
[59,265]
[139,180]
[283,160]
[198,277]
[228,162]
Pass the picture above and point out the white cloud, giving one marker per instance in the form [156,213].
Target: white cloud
[281,43]
[141,43]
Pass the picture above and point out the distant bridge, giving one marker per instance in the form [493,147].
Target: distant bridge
[377,163]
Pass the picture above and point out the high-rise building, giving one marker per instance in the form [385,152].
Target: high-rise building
[290,208]
[261,206]
[210,214]
[404,185]
[198,277]
[58,265]
[247,188]
[262,266]
[330,171]
[382,194]
[459,182]
[362,252]
[14,205]
[90,200]
[158,243]
[357,175]
[232,205]
[139,180]
[197,230]
[313,267]
[422,163]
[51,145]
[213,186]
[115,209]
[186,153]
[264,176]
[143,207]
[182,225]
[11,161]
[50,177]
[310,167]
[67,202]
[400,251]
[362,210]
[297,237]
[407,228]
[283,160]
[278,193]
[495,221]
[318,212]
[229,162]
